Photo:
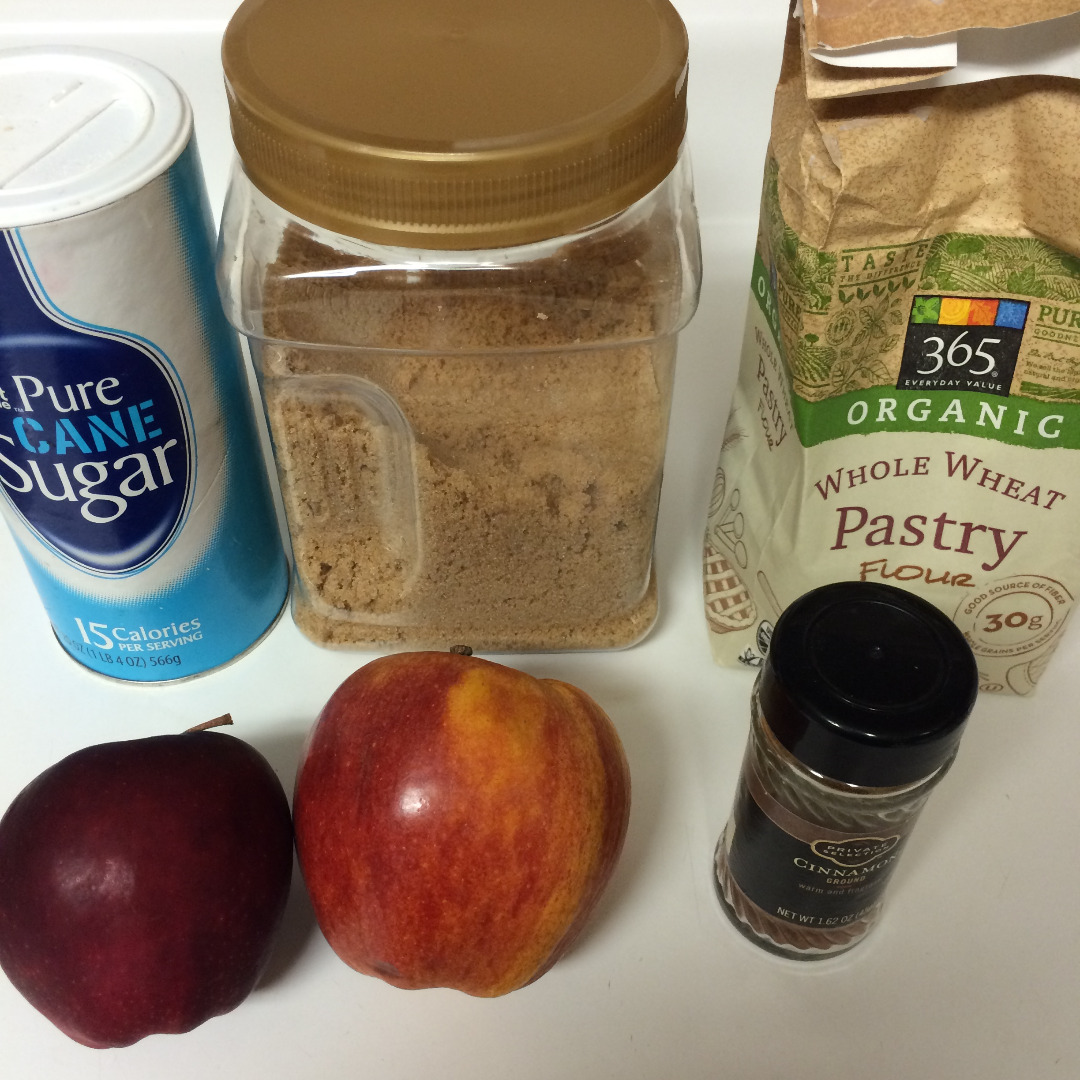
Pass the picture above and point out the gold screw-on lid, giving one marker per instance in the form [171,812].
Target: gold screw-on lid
[456,123]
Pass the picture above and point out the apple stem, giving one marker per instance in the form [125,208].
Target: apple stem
[219,721]
[461,650]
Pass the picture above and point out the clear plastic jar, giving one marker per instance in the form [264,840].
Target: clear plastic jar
[463,307]
[856,717]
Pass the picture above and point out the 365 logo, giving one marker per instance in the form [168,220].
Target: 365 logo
[962,343]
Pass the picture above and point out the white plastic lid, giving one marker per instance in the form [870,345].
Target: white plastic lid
[81,128]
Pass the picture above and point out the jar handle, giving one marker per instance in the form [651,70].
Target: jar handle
[345,456]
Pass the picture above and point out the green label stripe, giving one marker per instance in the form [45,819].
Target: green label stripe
[761,287]
[1016,421]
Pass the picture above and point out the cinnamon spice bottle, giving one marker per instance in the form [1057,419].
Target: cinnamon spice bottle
[856,717]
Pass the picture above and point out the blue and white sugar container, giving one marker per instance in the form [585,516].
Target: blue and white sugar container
[131,473]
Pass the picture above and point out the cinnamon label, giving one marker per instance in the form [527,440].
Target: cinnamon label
[801,873]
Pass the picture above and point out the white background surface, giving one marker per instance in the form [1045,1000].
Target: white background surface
[972,972]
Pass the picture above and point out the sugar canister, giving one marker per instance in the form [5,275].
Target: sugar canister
[131,473]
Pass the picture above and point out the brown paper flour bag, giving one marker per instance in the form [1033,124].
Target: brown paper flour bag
[908,403]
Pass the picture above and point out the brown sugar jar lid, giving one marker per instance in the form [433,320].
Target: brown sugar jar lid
[456,124]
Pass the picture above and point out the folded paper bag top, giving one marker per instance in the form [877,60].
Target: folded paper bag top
[916,57]
[844,24]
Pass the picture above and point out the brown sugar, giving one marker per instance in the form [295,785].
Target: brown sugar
[472,454]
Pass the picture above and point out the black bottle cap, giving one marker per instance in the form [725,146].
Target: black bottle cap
[867,684]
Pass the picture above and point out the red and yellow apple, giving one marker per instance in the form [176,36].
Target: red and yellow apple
[457,820]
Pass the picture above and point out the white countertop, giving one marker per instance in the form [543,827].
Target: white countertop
[973,970]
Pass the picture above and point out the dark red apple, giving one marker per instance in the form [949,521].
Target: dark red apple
[457,820]
[142,883]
